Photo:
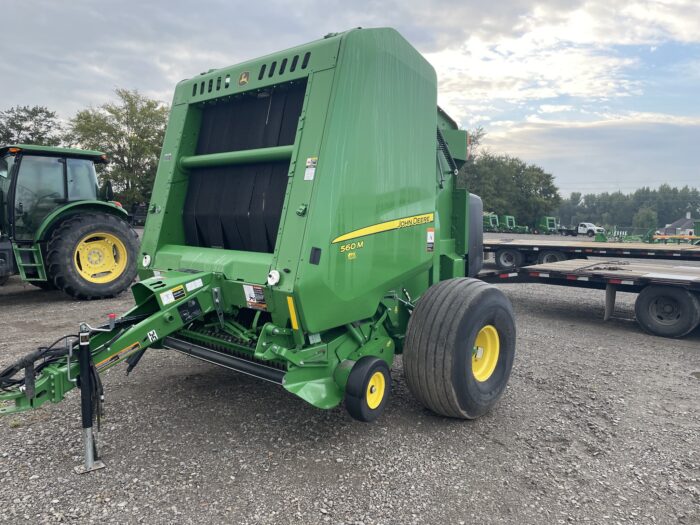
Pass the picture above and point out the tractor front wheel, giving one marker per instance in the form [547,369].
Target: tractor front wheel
[92,256]
[459,348]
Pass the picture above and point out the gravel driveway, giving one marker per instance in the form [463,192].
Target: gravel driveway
[600,424]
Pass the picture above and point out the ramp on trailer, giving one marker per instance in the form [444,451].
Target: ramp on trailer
[513,253]
[668,304]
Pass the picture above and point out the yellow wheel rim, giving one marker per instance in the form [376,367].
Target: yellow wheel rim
[375,390]
[485,353]
[100,257]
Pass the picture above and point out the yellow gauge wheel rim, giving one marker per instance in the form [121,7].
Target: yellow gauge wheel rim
[485,353]
[375,390]
[100,257]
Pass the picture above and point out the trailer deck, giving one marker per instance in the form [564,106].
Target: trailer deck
[668,304]
[513,253]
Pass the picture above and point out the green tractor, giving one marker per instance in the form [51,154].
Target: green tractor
[55,231]
[305,228]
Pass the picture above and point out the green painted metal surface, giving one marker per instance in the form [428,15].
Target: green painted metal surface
[96,156]
[369,220]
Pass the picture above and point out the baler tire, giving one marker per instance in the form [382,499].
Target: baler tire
[440,353]
[683,305]
[368,373]
[509,258]
[64,242]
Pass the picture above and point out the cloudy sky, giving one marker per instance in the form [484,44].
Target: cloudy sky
[604,94]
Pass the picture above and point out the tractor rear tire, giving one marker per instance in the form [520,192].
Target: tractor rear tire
[92,256]
[459,348]
[667,311]
[368,389]
[509,258]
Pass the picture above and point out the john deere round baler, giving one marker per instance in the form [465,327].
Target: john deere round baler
[305,228]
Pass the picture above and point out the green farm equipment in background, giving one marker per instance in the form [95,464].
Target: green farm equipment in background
[507,224]
[305,228]
[547,225]
[56,230]
[490,221]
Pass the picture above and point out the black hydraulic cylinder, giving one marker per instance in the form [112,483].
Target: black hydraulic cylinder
[86,386]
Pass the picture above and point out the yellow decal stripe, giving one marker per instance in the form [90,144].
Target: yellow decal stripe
[396,224]
[292,313]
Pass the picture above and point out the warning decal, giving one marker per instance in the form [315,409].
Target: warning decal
[172,295]
[310,171]
[430,239]
[255,296]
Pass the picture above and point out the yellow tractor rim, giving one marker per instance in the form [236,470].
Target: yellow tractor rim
[375,390]
[100,257]
[485,353]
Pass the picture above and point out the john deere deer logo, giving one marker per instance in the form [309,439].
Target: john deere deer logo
[243,79]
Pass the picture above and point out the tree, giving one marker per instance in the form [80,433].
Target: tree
[30,125]
[130,132]
[645,218]
[507,185]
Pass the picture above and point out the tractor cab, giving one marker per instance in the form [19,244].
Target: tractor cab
[35,181]
[56,230]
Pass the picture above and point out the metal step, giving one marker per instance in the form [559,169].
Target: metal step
[268,373]
[37,265]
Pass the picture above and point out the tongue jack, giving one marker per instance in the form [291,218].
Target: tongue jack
[87,407]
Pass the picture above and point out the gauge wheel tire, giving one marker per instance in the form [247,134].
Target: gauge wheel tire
[92,256]
[368,389]
[667,311]
[460,347]
[550,256]
[509,258]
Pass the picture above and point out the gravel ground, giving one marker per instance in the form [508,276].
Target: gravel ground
[599,424]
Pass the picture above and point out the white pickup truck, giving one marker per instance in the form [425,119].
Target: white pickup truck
[583,228]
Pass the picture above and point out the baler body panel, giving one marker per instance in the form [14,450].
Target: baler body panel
[360,120]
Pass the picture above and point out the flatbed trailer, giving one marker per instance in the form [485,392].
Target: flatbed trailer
[668,303]
[514,253]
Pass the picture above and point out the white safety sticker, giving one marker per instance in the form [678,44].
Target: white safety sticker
[430,239]
[193,285]
[152,336]
[167,297]
[310,171]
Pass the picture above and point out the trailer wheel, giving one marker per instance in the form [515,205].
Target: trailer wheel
[459,348]
[367,389]
[667,311]
[508,258]
[92,256]
[550,257]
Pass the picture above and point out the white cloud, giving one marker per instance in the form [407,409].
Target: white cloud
[555,108]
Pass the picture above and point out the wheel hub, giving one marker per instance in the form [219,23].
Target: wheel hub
[485,353]
[375,390]
[100,257]
[665,309]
